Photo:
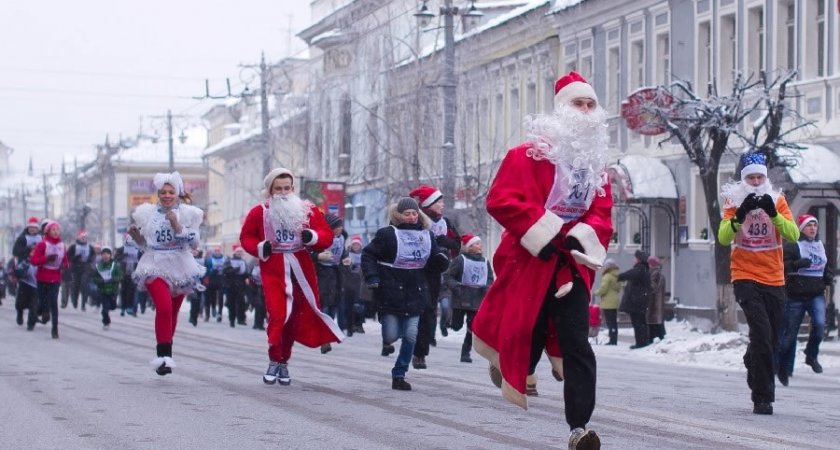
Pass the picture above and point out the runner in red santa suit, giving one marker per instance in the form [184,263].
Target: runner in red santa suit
[552,197]
[278,232]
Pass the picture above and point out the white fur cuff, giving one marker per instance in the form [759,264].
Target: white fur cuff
[541,233]
[155,363]
[564,290]
[592,247]
[260,251]
[582,258]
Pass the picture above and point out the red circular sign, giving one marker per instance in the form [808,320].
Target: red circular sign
[639,110]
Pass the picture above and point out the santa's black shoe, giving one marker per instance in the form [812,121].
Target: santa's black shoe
[399,384]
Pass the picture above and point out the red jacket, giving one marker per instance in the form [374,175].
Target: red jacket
[47,270]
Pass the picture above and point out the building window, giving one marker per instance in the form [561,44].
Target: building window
[704,57]
[663,59]
[728,52]
[345,137]
[515,117]
[814,60]
[499,129]
[637,64]
[586,66]
[613,75]
[786,31]
[373,143]
[755,39]
[531,99]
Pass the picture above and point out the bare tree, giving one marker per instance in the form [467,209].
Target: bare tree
[704,127]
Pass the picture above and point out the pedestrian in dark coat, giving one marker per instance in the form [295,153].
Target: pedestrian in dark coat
[235,272]
[395,265]
[634,302]
[351,273]
[82,257]
[27,239]
[656,301]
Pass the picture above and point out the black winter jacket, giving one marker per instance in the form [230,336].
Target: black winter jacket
[636,291]
[798,286]
[466,297]
[402,292]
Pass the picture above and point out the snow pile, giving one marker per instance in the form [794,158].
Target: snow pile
[684,344]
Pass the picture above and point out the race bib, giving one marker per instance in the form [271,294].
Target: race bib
[475,273]
[815,251]
[282,240]
[570,201]
[439,228]
[163,237]
[757,233]
[56,250]
[413,248]
[107,274]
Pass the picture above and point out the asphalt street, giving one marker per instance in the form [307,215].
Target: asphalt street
[94,389]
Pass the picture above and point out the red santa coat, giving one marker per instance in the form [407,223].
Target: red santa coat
[504,323]
[313,327]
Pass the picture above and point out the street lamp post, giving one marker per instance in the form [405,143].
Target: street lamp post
[449,83]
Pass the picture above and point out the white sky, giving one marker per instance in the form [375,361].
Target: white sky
[72,71]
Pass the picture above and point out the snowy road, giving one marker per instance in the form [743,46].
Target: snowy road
[93,389]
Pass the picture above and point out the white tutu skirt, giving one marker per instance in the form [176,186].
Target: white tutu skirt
[178,268]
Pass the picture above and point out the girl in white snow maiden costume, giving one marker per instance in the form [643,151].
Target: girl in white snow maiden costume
[167,231]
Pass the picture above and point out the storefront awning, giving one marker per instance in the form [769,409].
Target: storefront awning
[813,164]
[640,177]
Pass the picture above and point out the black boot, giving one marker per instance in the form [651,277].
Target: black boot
[19,318]
[55,332]
[399,384]
[162,351]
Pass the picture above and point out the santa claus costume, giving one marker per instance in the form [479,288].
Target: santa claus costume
[280,232]
[167,231]
[552,197]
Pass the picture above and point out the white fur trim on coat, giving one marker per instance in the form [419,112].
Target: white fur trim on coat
[582,258]
[585,234]
[260,254]
[541,232]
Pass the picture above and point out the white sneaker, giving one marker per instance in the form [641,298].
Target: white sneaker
[580,439]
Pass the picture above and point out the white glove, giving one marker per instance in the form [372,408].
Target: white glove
[583,258]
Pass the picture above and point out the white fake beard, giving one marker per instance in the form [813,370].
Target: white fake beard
[568,136]
[734,192]
[288,212]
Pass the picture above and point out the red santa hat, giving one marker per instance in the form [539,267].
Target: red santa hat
[356,238]
[274,174]
[570,87]
[32,222]
[469,239]
[426,195]
[51,224]
[237,248]
[805,219]
[82,234]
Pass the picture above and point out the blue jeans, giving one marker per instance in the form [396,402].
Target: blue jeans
[794,313]
[395,327]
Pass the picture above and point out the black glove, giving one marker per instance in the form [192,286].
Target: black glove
[547,251]
[306,235]
[573,244]
[802,263]
[266,250]
[767,204]
[749,204]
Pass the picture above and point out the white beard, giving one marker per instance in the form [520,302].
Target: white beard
[571,137]
[734,192]
[288,212]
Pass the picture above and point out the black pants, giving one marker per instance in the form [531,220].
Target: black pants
[213,297]
[427,327]
[259,308]
[640,329]
[611,318]
[763,307]
[459,316]
[195,306]
[48,295]
[571,321]
[77,287]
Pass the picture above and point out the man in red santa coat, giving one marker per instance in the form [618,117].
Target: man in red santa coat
[552,197]
[279,232]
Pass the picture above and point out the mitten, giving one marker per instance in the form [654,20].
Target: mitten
[768,205]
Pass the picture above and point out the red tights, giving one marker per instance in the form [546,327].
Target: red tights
[166,310]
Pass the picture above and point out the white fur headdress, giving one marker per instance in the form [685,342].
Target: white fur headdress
[173,179]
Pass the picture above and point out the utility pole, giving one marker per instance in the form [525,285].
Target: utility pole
[449,84]
[267,156]
[170,138]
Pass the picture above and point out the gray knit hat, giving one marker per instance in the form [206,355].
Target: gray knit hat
[407,203]
[334,221]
